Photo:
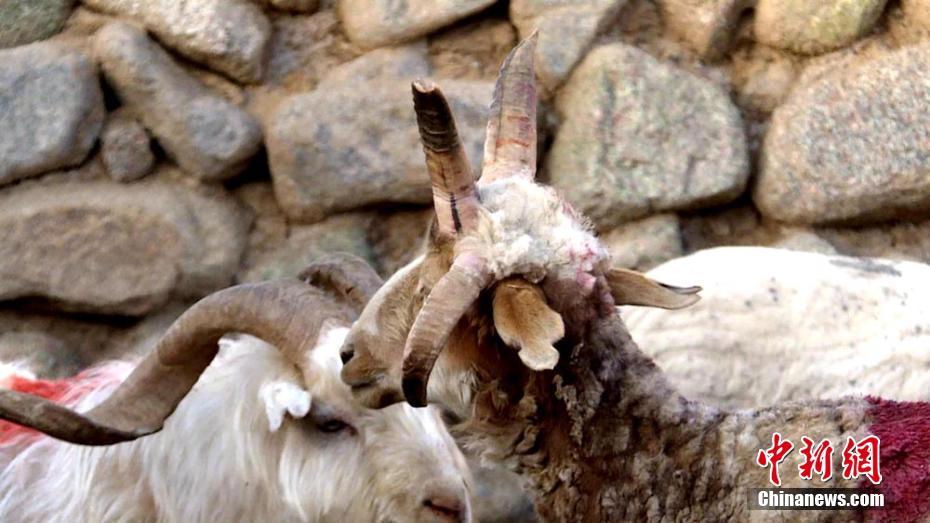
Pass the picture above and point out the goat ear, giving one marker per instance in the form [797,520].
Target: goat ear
[524,321]
[283,397]
[634,288]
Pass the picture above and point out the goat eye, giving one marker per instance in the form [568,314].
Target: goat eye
[332,425]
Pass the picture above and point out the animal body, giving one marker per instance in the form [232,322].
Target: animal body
[776,325]
[264,435]
[510,321]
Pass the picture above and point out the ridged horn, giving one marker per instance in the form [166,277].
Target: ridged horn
[454,196]
[510,144]
[345,274]
[284,313]
[447,302]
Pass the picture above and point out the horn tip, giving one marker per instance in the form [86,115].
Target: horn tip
[414,390]
[423,85]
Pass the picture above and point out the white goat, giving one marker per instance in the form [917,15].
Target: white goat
[270,432]
[280,453]
[777,325]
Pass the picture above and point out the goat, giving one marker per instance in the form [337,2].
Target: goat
[837,326]
[509,321]
[264,435]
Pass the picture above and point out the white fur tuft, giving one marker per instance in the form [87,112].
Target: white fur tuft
[528,229]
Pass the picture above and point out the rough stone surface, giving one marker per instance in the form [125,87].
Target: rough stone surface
[910,22]
[567,28]
[229,36]
[639,136]
[82,337]
[105,247]
[809,27]
[125,148]
[405,62]
[343,233]
[852,146]
[26,21]
[707,27]
[398,237]
[472,51]
[209,137]
[335,150]
[299,6]
[763,77]
[645,243]
[777,325]
[743,226]
[373,23]
[899,241]
[42,354]
[269,226]
[51,109]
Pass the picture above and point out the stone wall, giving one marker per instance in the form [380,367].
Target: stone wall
[152,152]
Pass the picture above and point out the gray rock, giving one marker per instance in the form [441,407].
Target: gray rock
[743,226]
[639,136]
[898,241]
[44,355]
[645,243]
[334,149]
[51,109]
[567,28]
[228,36]
[299,6]
[852,145]
[125,148]
[809,27]
[707,27]
[406,62]
[82,336]
[209,137]
[473,50]
[343,233]
[26,21]
[911,22]
[105,247]
[398,237]
[373,23]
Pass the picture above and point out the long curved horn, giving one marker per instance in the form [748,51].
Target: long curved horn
[284,313]
[510,145]
[447,302]
[345,274]
[454,196]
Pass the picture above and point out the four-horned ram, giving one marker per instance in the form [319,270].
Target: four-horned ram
[509,321]
[268,433]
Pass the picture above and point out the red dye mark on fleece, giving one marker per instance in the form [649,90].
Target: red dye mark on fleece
[67,391]
[904,430]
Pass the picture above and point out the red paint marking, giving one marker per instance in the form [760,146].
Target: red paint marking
[904,430]
[511,141]
[67,391]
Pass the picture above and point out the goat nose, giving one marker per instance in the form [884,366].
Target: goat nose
[447,506]
[346,353]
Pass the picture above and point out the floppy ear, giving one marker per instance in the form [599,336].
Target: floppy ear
[283,397]
[524,321]
[634,288]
